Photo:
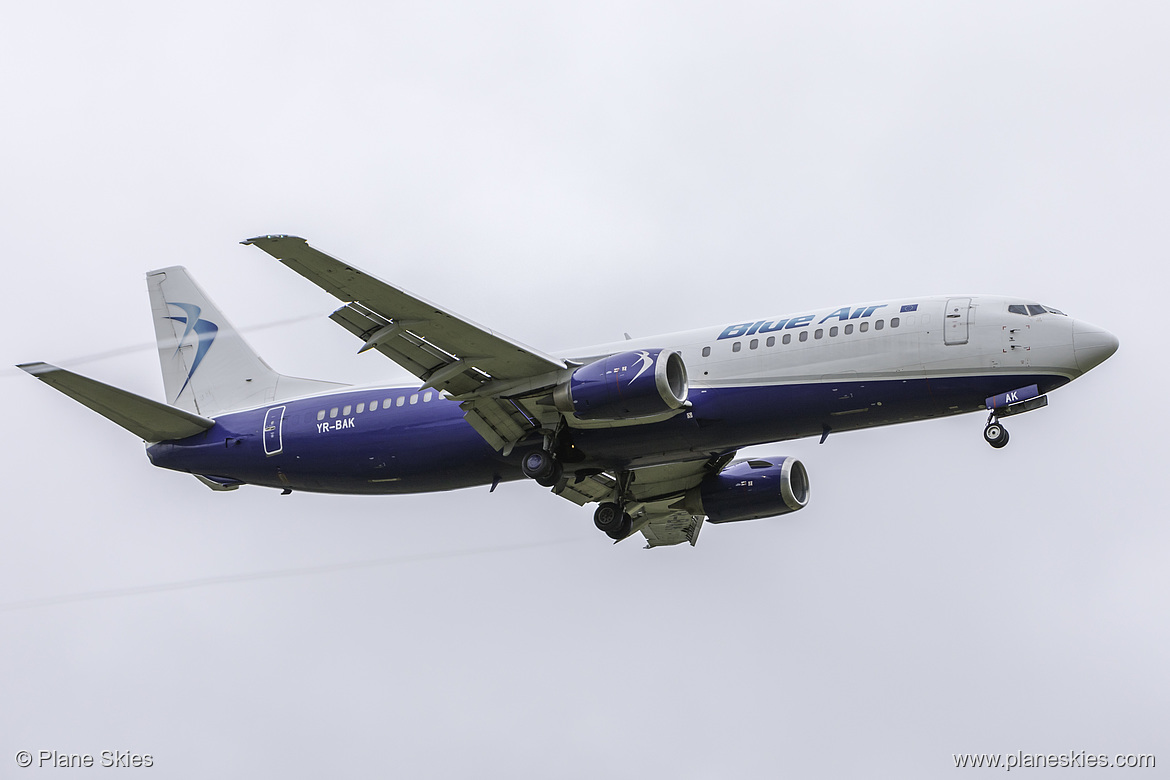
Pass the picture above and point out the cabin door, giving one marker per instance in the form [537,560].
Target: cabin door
[273,431]
[955,321]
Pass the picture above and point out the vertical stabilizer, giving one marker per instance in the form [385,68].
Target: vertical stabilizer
[207,366]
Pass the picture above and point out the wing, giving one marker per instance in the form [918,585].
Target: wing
[657,498]
[498,382]
[444,350]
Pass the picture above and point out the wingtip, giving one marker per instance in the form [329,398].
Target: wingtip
[37,368]
[270,237]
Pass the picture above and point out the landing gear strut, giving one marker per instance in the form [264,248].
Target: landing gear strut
[542,466]
[995,434]
[611,517]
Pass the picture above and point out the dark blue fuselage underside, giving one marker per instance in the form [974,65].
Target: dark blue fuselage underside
[429,446]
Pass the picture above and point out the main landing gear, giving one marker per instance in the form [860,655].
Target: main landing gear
[611,518]
[612,521]
[994,433]
[541,466]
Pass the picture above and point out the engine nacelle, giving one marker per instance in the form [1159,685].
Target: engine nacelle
[626,386]
[754,488]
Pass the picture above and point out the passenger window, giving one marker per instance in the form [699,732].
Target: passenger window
[879,325]
[414,399]
[755,344]
[848,329]
[736,347]
[706,352]
[832,331]
[863,327]
[321,415]
[373,406]
[787,338]
[895,322]
[771,342]
[401,400]
[386,402]
[804,335]
[820,334]
[346,411]
[427,397]
[333,412]
[361,407]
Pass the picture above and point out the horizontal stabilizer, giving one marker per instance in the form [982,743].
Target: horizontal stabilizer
[147,419]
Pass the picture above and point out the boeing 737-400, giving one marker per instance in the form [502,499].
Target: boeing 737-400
[646,428]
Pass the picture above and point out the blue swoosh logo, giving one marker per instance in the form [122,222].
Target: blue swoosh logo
[645,360]
[204,330]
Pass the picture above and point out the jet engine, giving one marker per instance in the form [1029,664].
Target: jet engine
[626,386]
[753,488]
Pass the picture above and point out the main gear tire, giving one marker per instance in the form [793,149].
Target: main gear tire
[541,466]
[612,521]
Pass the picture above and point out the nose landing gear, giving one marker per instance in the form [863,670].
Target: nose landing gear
[1025,399]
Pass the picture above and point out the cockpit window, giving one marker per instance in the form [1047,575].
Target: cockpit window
[1033,309]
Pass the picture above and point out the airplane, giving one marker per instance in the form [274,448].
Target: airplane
[648,428]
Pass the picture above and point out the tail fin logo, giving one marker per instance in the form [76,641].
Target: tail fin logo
[204,330]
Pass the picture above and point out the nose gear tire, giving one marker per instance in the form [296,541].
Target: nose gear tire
[995,435]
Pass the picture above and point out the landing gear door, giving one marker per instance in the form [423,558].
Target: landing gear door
[273,430]
[955,321]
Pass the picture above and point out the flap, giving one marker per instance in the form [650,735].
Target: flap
[676,528]
[655,496]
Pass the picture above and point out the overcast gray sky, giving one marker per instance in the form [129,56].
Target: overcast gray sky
[563,173]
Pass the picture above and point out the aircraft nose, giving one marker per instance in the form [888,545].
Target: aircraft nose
[1092,345]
